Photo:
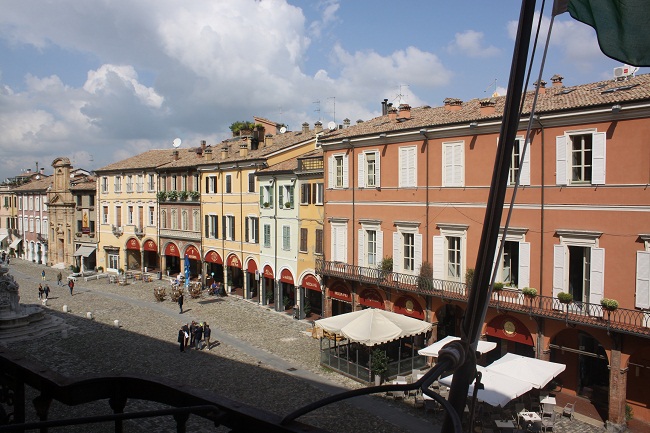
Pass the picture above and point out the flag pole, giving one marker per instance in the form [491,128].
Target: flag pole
[480,290]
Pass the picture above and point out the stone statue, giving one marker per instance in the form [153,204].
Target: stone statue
[9,298]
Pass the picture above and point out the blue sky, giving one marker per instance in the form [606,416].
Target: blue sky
[99,81]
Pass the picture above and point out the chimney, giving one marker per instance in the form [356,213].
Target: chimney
[305,128]
[208,154]
[176,155]
[392,113]
[384,107]
[346,123]
[42,170]
[268,140]
[203,144]
[224,152]
[453,104]
[487,106]
[557,80]
[318,127]
[359,121]
[542,86]
[404,111]
[243,148]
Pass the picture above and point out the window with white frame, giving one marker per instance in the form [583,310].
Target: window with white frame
[151,184]
[195,183]
[37,225]
[369,172]
[104,184]
[517,163]
[174,214]
[251,182]
[286,196]
[453,163]
[338,171]
[305,194]
[129,215]
[163,183]
[230,227]
[513,267]
[140,183]
[117,186]
[266,196]
[267,235]
[37,203]
[580,158]
[113,261]
[104,214]
[211,185]
[642,299]
[212,226]
[163,219]
[129,183]
[31,224]
[319,190]
[578,268]
[118,216]
[339,241]
[184,182]
[449,252]
[44,227]
[304,233]
[371,244]
[252,228]
[174,185]
[31,202]
[152,216]
[195,221]
[184,220]
[407,248]
[286,238]
[228,184]
[408,175]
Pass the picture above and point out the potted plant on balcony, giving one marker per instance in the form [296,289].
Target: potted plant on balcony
[172,195]
[183,195]
[162,195]
[425,279]
[287,205]
[385,267]
[609,304]
[194,195]
[565,298]
[265,204]
[379,364]
[529,292]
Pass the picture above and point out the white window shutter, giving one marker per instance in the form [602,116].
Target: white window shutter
[342,242]
[597,275]
[362,170]
[418,253]
[524,265]
[402,167]
[397,256]
[448,169]
[642,280]
[333,242]
[438,257]
[377,169]
[598,159]
[524,166]
[459,178]
[559,259]
[361,258]
[380,246]
[497,262]
[345,172]
[412,168]
[561,160]
[330,173]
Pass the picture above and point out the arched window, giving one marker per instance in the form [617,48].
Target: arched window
[195,221]
[163,219]
[184,220]
[174,219]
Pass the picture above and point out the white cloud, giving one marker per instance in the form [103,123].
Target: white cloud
[328,10]
[471,43]
[99,81]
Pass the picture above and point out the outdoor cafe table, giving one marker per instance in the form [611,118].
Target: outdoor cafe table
[504,425]
[530,417]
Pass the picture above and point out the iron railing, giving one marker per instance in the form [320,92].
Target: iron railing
[634,322]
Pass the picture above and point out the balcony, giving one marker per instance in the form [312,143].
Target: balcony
[41,238]
[117,231]
[633,322]
[139,231]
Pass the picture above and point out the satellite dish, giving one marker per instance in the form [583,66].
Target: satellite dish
[176,142]
[283,130]
[331,126]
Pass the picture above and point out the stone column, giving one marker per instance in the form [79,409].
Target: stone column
[617,389]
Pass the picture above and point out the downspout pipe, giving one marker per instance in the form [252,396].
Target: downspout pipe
[479,294]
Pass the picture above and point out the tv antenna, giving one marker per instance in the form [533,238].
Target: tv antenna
[401,96]
[333,98]
[317,109]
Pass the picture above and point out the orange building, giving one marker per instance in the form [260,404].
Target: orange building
[405,197]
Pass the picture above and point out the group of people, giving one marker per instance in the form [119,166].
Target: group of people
[196,335]
[43,292]
[59,282]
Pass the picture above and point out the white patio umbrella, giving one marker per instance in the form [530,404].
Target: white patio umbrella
[371,326]
[483,346]
[536,371]
[498,389]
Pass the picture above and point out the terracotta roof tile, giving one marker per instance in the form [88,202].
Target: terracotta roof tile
[146,160]
[36,185]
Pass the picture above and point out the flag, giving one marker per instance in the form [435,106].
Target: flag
[621,26]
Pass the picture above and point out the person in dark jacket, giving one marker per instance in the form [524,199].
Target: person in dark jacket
[181,339]
[186,330]
[192,334]
[207,332]
[71,286]
[198,338]
[180,303]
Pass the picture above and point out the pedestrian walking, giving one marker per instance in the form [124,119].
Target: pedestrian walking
[40,291]
[206,334]
[43,275]
[181,339]
[180,303]
[46,290]
[71,286]
[59,278]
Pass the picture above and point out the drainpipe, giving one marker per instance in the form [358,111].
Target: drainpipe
[541,240]
[223,238]
[241,231]
[276,285]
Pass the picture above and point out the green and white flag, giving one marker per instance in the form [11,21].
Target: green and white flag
[621,26]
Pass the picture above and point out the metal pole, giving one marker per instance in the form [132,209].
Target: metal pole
[479,296]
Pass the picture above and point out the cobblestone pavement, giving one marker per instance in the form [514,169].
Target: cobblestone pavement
[265,359]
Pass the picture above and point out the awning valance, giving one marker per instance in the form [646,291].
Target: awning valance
[483,346]
[15,243]
[371,326]
[84,250]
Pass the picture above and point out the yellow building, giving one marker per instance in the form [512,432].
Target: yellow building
[231,201]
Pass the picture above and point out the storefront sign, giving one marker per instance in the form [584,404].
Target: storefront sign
[150,246]
[133,244]
[268,272]
[172,250]
[310,282]
[192,253]
[286,277]
[233,261]
[213,257]
[341,293]
[370,298]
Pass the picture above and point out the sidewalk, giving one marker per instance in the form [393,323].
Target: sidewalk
[264,358]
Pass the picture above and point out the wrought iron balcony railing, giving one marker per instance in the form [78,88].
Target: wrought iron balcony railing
[635,322]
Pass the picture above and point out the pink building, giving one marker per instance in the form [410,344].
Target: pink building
[411,186]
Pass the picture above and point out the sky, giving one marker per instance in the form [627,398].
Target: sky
[98,81]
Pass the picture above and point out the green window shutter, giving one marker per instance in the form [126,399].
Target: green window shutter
[261,196]
[291,194]
[281,196]
[207,226]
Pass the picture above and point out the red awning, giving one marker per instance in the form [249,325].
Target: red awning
[234,261]
[150,246]
[192,253]
[408,306]
[341,293]
[252,266]
[213,257]
[310,282]
[286,276]
[133,244]
[370,298]
[509,328]
[268,272]
[172,250]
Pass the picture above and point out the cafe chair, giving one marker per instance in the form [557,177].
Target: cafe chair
[548,422]
[568,410]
